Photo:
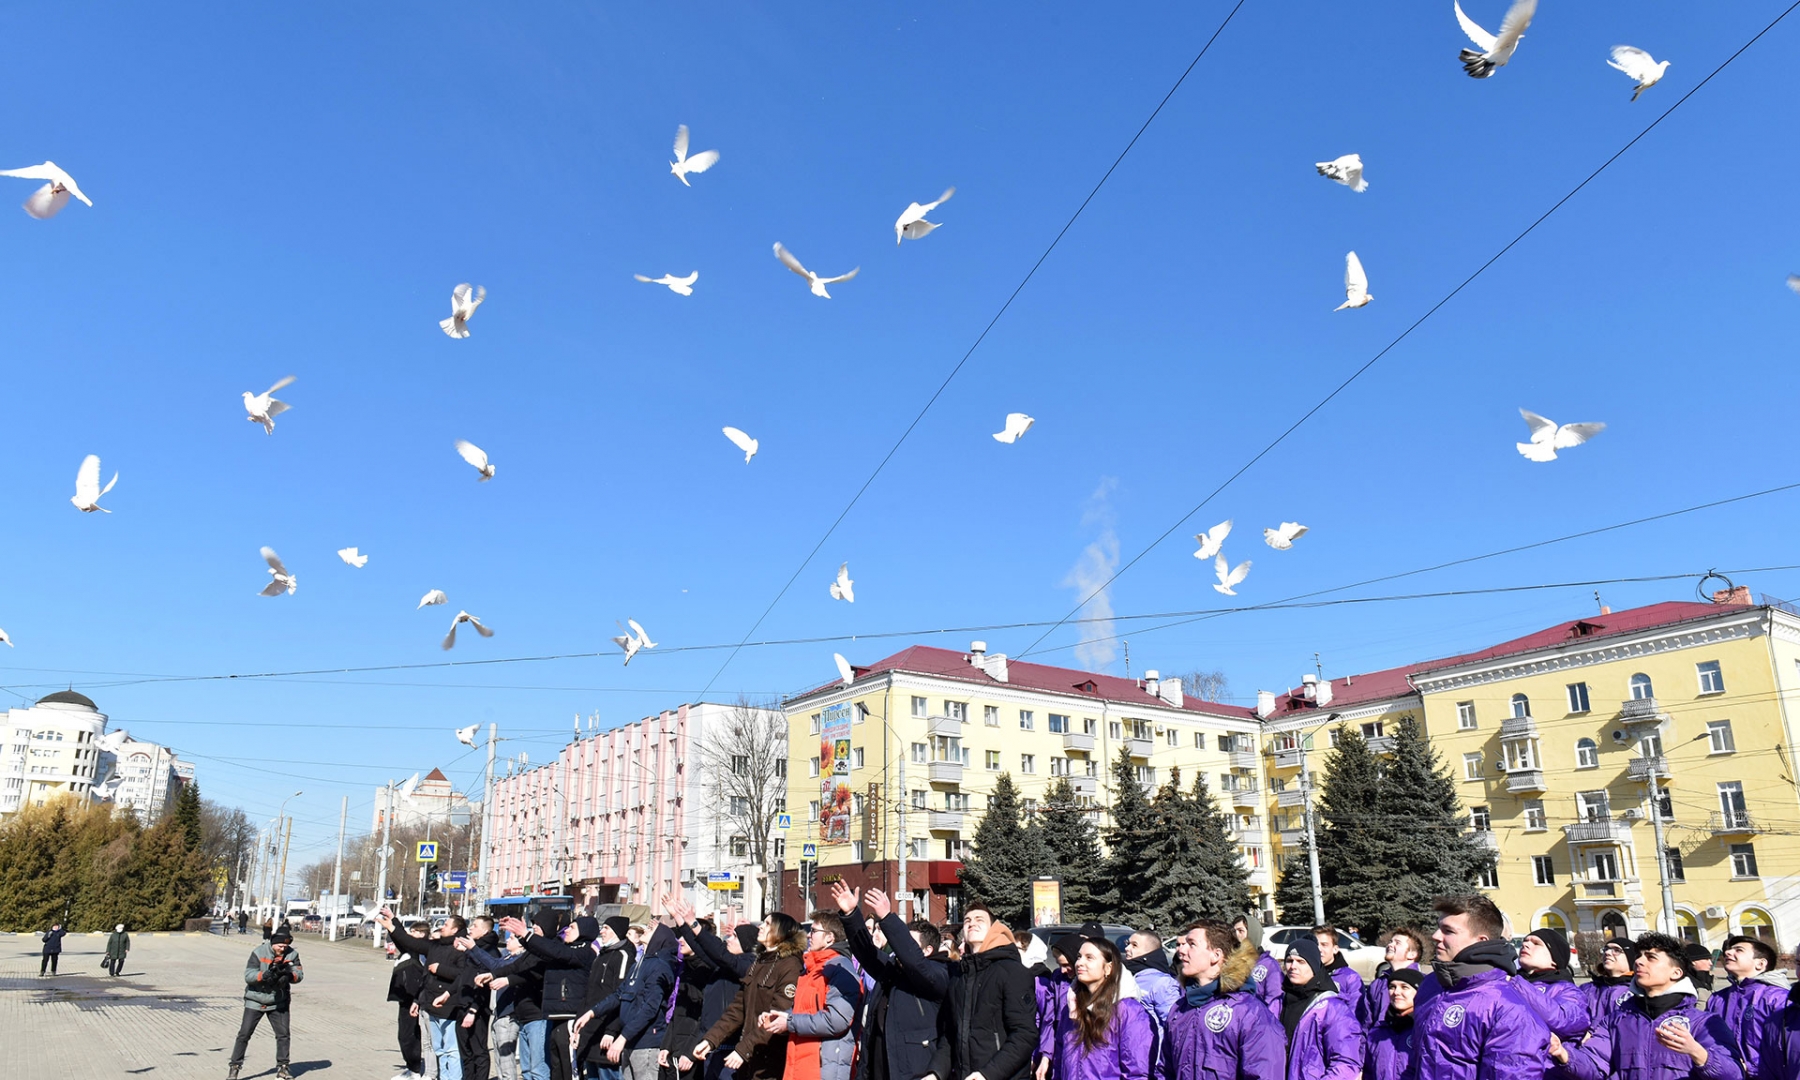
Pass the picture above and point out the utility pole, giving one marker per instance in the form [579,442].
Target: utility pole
[902,894]
[1312,841]
[337,873]
[281,886]
[387,825]
[1652,771]
[487,814]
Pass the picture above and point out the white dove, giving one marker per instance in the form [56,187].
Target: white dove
[283,580]
[632,640]
[1794,282]
[912,224]
[466,735]
[1638,64]
[435,596]
[742,442]
[1017,424]
[1493,51]
[5,639]
[264,407]
[1283,538]
[844,671]
[814,281]
[841,588]
[1346,170]
[462,309]
[1547,438]
[87,486]
[54,195]
[353,557]
[1212,540]
[464,617]
[680,286]
[1229,575]
[682,165]
[1356,284]
[477,457]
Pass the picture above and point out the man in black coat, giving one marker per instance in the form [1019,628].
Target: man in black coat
[731,961]
[900,1023]
[990,1010]
[602,951]
[445,997]
[404,983]
[52,948]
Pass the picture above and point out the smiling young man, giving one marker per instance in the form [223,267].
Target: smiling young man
[1611,985]
[991,1006]
[1405,948]
[1756,992]
[1661,1033]
[1219,1028]
[1472,1021]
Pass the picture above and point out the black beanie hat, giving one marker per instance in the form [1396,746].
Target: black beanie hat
[1553,940]
[1410,976]
[282,937]
[746,935]
[619,925]
[1306,947]
[1068,946]
[587,928]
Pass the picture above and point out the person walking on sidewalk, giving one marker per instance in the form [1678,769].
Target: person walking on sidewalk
[118,943]
[274,966]
[52,948]
[243,921]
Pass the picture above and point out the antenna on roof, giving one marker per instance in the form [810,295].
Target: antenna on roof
[1318,667]
[1128,659]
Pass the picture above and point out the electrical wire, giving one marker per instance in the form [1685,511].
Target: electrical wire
[1420,321]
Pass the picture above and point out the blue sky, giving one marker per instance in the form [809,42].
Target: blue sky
[296,192]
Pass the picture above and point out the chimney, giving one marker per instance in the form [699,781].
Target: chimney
[976,650]
[1737,594]
[1322,693]
[993,666]
[1152,681]
[1606,609]
[1309,688]
[1265,704]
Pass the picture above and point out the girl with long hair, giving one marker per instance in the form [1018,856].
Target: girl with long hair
[1099,1034]
[768,986]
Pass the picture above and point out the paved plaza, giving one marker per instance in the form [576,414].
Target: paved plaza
[173,1014]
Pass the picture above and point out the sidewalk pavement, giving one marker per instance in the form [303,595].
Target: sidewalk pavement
[174,1012]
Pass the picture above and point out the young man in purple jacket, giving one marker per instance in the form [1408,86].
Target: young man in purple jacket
[1549,984]
[1265,977]
[1779,1057]
[1472,1022]
[1611,985]
[1405,948]
[1324,1040]
[1219,1028]
[1757,992]
[1349,982]
[1660,1034]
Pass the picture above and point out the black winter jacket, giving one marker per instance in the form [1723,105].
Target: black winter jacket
[564,974]
[687,1020]
[901,1016]
[989,1019]
[406,979]
[447,992]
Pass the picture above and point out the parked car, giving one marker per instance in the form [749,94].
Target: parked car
[1364,958]
[312,923]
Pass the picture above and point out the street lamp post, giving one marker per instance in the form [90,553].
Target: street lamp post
[281,885]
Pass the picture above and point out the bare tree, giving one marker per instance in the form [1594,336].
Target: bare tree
[1205,685]
[743,761]
[228,840]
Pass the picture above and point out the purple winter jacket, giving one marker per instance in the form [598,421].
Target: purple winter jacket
[1390,1051]
[1052,994]
[1229,1036]
[1602,1000]
[1746,1007]
[1125,1055]
[1265,983]
[1373,1007]
[1349,985]
[1328,1042]
[1481,1029]
[1779,1056]
[1560,1004]
[1625,1045]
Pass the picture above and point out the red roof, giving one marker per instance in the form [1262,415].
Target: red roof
[437,775]
[1397,681]
[949,664]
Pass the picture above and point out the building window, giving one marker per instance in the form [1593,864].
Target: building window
[1059,766]
[1578,697]
[956,800]
[921,708]
[1719,731]
[1641,690]
[956,850]
[1113,729]
[991,758]
[1665,804]
[1059,724]
[812,810]
[1465,716]
[990,715]
[814,767]
[1028,763]
[918,799]
[1587,754]
[1534,816]
[740,806]
[1093,767]
[740,764]
[1543,870]
[740,847]
[1372,730]
[1732,808]
[957,710]
[1712,680]
[1593,805]
[1521,707]
[920,847]
[1672,860]
[1743,860]
[1490,877]
[1089,725]
[1603,866]
[1174,737]
[1480,819]
[1026,721]
[1471,766]
[856,758]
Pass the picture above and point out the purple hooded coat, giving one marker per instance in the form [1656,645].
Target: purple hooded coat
[1265,983]
[1482,1028]
[1746,1007]
[1328,1042]
[1560,1004]
[1625,1045]
[1373,1007]
[1390,1052]
[1125,1055]
[1602,1000]
[1779,1056]
[1349,985]
[1230,1036]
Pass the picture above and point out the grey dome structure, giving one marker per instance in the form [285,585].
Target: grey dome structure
[68,697]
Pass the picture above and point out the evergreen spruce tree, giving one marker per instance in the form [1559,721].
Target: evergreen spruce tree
[1428,850]
[1293,890]
[1354,859]
[187,815]
[1133,828]
[1006,855]
[1194,867]
[1072,845]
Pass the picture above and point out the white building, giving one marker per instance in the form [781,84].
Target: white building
[51,748]
[141,775]
[432,799]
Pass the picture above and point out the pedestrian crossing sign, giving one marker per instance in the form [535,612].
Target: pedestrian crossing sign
[784,821]
[809,852]
[427,851]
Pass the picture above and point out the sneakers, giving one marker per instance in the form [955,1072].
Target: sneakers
[407,1074]
[281,1071]
[232,1073]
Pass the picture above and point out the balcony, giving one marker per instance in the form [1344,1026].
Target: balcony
[1604,831]
[944,820]
[1261,878]
[1518,727]
[1242,759]
[1641,711]
[1298,795]
[1141,748]
[1643,768]
[1525,780]
[944,725]
[1287,759]
[1246,795]
[1292,839]
[1380,744]
[1085,785]
[1078,740]
[1733,824]
[944,772]
[1252,834]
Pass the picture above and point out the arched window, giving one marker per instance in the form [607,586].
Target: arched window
[1587,754]
[1612,925]
[1755,922]
[1640,687]
[1553,920]
[1686,928]
[1521,706]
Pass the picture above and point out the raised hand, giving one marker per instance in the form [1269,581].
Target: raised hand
[843,896]
[878,903]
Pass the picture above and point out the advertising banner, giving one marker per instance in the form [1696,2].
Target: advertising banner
[834,774]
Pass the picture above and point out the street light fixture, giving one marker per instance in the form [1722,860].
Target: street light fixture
[281,884]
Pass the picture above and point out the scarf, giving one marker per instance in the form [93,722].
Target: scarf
[1295,999]
[1612,980]
[1662,1003]
[1477,959]
[676,963]
[1556,975]
[1198,994]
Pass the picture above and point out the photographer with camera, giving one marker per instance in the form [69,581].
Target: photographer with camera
[273,967]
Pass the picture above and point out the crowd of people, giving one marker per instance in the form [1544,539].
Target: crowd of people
[855,993]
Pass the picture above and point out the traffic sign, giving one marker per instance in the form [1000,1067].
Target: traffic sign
[455,881]
[784,822]
[809,852]
[723,880]
[427,851]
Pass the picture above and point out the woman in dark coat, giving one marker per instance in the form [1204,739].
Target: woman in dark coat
[768,986]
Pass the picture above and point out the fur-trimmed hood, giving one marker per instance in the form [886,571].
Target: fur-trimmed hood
[1239,964]
[789,946]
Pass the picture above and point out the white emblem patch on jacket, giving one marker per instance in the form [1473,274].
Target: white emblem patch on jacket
[1218,1018]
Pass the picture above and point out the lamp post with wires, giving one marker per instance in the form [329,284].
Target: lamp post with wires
[466,736]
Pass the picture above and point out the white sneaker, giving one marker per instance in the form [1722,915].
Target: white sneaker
[407,1074]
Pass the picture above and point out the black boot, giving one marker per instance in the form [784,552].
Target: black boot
[232,1073]
[281,1071]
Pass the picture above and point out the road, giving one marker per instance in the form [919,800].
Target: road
[174,1012]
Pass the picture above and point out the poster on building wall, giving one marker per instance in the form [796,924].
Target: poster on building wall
[834,773]
[1046,901]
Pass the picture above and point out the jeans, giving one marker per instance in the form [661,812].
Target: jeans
[443,1044]
[641,1064]
[278,1020]
[532,1063]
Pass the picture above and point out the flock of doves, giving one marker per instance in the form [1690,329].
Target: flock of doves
[1491,52]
